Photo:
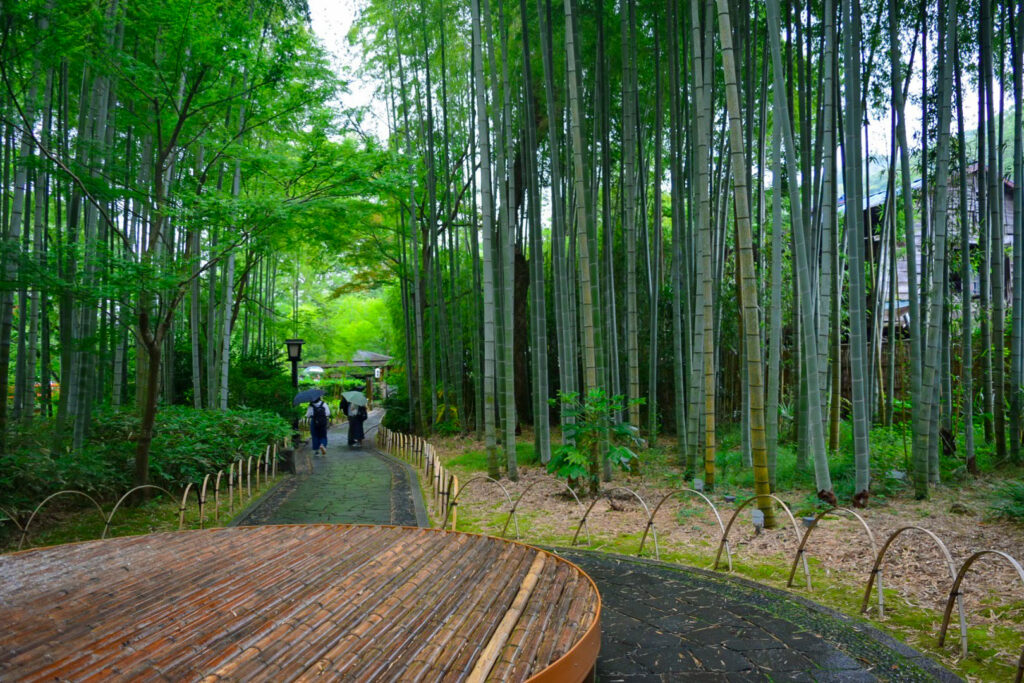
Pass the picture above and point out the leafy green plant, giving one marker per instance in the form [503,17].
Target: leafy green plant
[1008,501]
[398,418]
[260,381]
[593,427]
[187,445]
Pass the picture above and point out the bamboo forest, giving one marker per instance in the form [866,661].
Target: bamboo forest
[738,247]
[640,209]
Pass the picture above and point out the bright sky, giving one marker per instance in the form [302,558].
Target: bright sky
[332,19]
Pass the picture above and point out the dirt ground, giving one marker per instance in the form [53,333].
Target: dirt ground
[839,549]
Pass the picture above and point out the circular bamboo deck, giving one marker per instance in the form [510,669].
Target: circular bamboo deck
[356,603]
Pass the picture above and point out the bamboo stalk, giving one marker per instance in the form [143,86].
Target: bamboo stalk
[498,640]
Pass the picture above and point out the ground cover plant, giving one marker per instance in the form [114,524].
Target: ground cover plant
[188,445]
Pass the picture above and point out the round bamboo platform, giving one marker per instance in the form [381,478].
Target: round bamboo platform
[284,603]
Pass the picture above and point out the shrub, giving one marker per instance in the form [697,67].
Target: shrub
[594,424]
[1008,501]
[187,445]
[398,418]
[259,381]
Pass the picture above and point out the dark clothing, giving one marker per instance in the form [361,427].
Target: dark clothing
[355,422]
[318,413]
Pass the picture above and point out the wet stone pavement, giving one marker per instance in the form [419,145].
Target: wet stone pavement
[345,486]
[663,622]
[659,622]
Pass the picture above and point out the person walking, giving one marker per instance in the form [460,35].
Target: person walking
[356,417]
[319,415]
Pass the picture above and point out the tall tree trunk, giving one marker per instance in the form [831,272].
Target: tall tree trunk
[994,189]
[807,285]
[538,309]
[583,229]
[746,276]
[1016,333]
[937,298]
[855,240]
[966,283]
[629,228]
[484,141]
[703,377]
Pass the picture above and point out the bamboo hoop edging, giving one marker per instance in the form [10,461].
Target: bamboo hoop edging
[481,477]
[10,517]
[814,525]
[201,496]
[422,451]
[949,564]
[181,508]
[216,497]
[954,592]
[605,494]
[202,501]
[24,531]
[515,506]
[748,501]
[248,477]
[231,488]
[106,526]
[685,489]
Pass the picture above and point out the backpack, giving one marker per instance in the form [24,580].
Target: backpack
[353,410]
[320,416]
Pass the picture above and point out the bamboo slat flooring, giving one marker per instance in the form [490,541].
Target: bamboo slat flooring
[296,603]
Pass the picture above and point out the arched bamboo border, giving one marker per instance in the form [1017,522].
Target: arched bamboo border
[954,592]
[202,502]
[11,517]
[248,477]
[526,490]
[650,522]
[814,525]
[748,501]
[182,507]
[604,494]
[216,497]
[106,527]
[949,563]
[24,530]
[455,500]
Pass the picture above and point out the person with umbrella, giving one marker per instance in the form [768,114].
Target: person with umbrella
[353,404]
[319,416]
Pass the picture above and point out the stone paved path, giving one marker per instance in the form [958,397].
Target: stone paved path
[346,486]
[663,622]
[659,622]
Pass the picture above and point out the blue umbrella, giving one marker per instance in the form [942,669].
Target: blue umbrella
[307,395]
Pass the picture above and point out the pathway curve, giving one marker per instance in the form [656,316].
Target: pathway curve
[664,622]
[659,622]
[346,486]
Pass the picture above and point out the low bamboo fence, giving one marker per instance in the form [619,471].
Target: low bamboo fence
[444,486]
[234,487]
[445,490]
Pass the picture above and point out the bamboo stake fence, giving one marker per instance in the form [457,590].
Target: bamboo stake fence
[445,490]
[264,467]
[444,486]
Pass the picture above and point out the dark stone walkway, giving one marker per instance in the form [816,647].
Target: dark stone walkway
[664,622]
[659,622]
[346,486]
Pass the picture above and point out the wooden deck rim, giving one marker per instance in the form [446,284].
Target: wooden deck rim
[574,665]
